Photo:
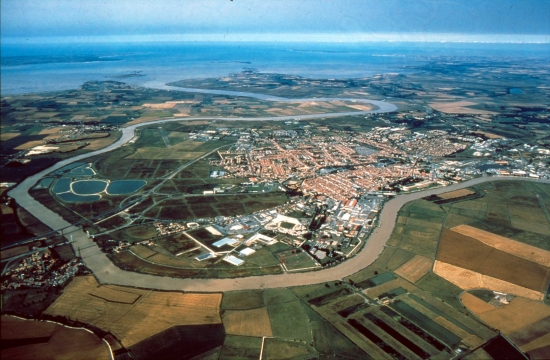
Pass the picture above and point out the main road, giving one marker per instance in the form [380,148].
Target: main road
[107,273]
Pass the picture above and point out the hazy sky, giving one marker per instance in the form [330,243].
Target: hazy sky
[340,20]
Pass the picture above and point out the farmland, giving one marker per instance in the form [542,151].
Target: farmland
[395,307]
[133,315]
[294,326]
[180,173]
[189,208]
[415,269]
[411,311]
[399,306]
[29,339]
[253,322]
[524,321]
[465,252]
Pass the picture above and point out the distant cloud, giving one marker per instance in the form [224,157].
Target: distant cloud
[339,18]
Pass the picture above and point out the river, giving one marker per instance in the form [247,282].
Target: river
[107,273]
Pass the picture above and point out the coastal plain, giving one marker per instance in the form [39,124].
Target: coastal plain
[311,275]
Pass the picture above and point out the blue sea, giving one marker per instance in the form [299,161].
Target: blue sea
[29,68]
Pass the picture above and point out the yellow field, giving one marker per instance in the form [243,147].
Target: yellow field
[390,285]
[473,341]
[7,136]
[489,135]
[101,143]
[475,304]
[30,144]
[458,107]
[414,269]
[510,246]
[49,131]
[361,107]
[468,280]
[544,340]
[456,194]
[254,322]
[151,313]
[516,315]
[166,105]
[112,295]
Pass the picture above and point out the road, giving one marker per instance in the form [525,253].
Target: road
[107,273]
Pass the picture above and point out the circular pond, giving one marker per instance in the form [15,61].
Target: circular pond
[121,187]
[88,187]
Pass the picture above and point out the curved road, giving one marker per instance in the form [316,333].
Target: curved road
[106,272]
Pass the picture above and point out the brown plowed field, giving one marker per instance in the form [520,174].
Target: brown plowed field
[510,246]
[13,328]
[152,313]
[468,253]
[468,280]
[63,343]
[254,322]
[414,269]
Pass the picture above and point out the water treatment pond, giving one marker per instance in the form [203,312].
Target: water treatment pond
[84,170]
[88,187]
[122,187]
[62,185]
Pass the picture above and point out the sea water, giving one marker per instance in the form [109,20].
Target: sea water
[28,68]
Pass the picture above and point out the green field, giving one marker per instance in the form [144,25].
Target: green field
[209,206]
[240,300]
[240,348]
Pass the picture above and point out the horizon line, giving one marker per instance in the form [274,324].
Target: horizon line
[416,37]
